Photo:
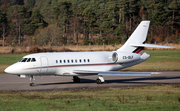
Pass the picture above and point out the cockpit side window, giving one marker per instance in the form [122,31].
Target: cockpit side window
[33,60]
[24,59]
[29,60]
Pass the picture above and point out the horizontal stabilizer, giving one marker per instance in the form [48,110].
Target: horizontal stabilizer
[150,45]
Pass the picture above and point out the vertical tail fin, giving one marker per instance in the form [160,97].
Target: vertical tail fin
[137,37]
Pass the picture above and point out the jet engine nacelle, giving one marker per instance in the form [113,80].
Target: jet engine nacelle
[124,57]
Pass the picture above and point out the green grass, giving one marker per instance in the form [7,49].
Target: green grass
[8,59]
[150,98]
[164,56]
[160,60]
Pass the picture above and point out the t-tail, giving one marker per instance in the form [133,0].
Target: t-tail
[134,46]
[136,41]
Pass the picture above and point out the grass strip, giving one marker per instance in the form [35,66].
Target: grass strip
[155,97]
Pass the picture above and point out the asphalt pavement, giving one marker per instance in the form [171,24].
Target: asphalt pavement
[14,83]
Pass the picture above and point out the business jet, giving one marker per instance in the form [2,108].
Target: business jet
[98,63]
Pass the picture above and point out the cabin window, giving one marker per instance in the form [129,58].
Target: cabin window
[29,60]
[33,60]
[68,61]
[76,60]
[64,61]
[60,61]
[88,60]
[72,61]
[84,60]
[24,60]
[56,61]
[79,60]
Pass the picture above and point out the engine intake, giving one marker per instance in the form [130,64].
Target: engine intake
[124,57]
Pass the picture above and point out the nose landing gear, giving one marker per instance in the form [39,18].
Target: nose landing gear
[31,84]
[31,78]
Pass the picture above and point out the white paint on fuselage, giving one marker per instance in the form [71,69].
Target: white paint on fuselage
[95,61]
[49,63]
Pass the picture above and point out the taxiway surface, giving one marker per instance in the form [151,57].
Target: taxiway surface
[14,83]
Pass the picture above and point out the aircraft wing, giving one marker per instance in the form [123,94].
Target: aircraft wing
[112,73]
[85,72]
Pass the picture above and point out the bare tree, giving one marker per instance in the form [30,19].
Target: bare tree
[4,32]
[49,35]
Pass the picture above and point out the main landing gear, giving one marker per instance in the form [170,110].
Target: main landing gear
[31,78]
[100,80]
[76,79]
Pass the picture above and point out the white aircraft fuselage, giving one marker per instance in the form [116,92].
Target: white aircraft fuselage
[64,63]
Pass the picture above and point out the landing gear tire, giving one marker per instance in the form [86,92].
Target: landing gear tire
[76,79]
[31,84]
[98,81]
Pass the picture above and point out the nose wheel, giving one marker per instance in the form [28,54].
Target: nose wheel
[31,78]
[76,79]
[31,84]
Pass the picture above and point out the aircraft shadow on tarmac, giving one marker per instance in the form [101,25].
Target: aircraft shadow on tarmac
[82,81]
[124,81]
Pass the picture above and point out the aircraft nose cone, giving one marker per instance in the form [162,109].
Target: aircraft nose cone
[9,69]
[13,69]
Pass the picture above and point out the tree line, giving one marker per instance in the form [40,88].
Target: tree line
[57,22]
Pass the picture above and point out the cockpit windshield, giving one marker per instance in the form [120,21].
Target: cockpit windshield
[24,60]
[28,60]
[21,60]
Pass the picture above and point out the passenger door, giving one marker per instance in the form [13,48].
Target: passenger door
[44,65]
